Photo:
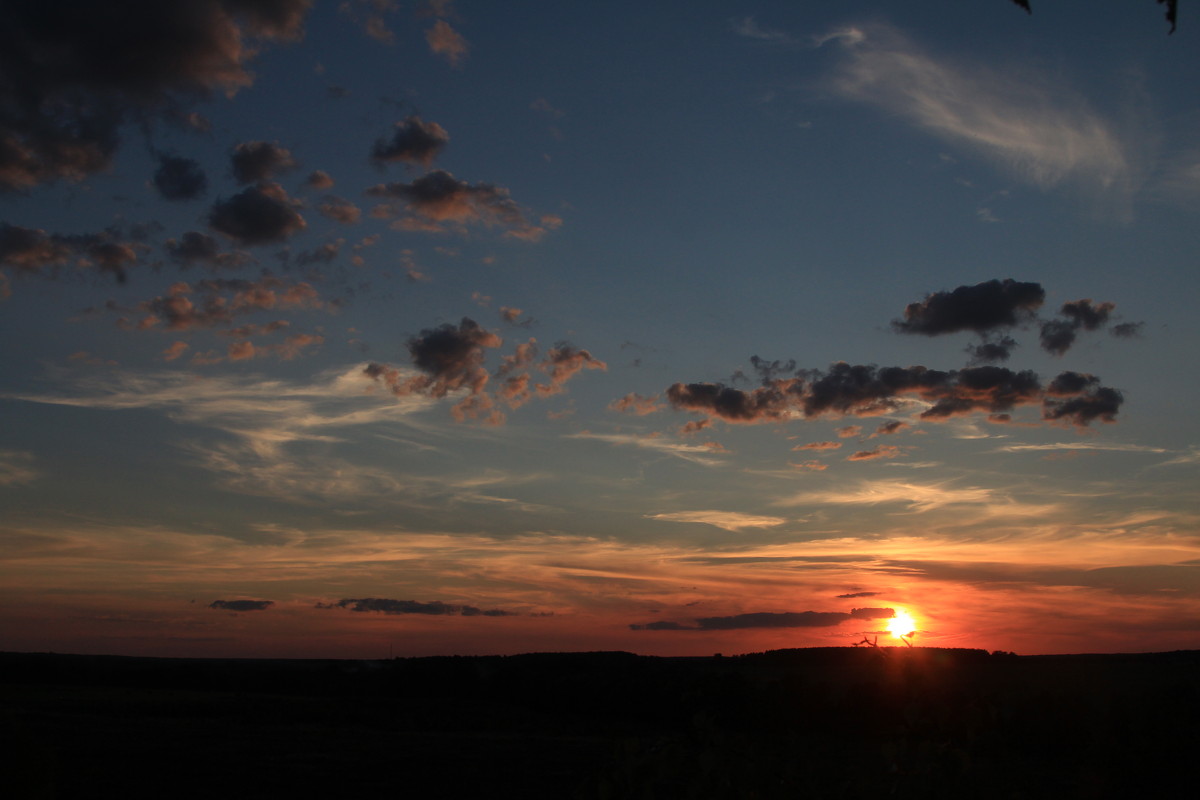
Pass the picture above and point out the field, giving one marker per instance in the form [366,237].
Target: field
[815,723]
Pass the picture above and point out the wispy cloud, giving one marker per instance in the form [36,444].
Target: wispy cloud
[695,453]
[16,468]
[918,497]
[728,520]
[1043,129]
[1115,446]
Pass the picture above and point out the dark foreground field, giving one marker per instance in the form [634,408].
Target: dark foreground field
[898,723]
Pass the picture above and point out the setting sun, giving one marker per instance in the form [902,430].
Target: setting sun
[901,625]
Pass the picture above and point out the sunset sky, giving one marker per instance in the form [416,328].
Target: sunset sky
[369,328]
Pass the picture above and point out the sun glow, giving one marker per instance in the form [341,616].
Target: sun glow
[901,625]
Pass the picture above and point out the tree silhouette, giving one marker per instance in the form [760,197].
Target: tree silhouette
[1172,9]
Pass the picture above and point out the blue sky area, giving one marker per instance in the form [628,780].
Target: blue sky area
[341,329]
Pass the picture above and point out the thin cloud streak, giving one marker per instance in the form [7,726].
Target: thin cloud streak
[1044,131]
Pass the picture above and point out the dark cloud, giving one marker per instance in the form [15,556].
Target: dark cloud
[1127,330]
[251,162]
[662,626]
[452,359]
[30,249]
[862,390]
[766,619]
[258,215]
[72,72]
[194,248]
[772,370]
[1079,399]
[438,198]
[179,178]
[241,605]
[413,141]
[991,350]
[435,608]
[889,428]
[979,308]
[1057,336]
[853,595]
[1083,314]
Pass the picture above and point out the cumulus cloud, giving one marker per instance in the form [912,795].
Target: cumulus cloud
[438,198]
[979,308]
[71,97]
[179,178]
[194,248]
[33,251]
[867,390]
[451,359]
[241,605]
[413,141]
[437,608]
[727,520]
[251,162]
[216,301]
[446,42]
[1038,127]
[261,214]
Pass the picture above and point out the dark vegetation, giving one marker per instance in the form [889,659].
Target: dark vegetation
[816,723]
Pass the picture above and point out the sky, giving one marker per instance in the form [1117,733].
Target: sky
[391,328]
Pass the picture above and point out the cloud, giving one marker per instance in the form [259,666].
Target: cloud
[74,97]
[882,451]
[1043,130]
[241,605]
[413,141]
[563,363]
[750,29]
[990,350]
[435,608]
[32,251]
[818,446]
[727,520]
[918,497]
[219,300]
[438,198]
[339,210]
[319,179]
[766,619]
[370,15]
[867,390]
[853,595]
[251,162]
[261,214]
[16,468]
[1114,446]
[1057,336]
[702,454]
[979,308]
[446,42]
[179,178]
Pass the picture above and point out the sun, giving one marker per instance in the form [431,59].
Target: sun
[901,625]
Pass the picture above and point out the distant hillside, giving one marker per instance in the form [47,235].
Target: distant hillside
[822,722]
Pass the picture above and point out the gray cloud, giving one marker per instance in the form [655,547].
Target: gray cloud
[179,178]
[251,162]
[258,215]
[241,605]
[385,605]
[66,96]
[413,141]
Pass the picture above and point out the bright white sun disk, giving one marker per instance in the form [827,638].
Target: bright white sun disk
[901,625]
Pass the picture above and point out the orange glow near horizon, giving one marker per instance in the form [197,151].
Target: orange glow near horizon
[901,625]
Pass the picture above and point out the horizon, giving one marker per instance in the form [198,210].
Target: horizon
[452,328]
